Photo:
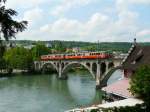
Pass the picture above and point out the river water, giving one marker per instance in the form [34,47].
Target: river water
[46,93]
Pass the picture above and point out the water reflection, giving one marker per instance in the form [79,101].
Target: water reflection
[45,93]
[82,89]
[117,75]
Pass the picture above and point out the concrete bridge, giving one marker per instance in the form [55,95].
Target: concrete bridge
[98,68]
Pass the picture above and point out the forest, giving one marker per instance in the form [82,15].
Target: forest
[87,46]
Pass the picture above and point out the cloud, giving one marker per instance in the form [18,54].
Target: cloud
[33,16]
[123,4]
[143,33]
[66,5]
[122,25]
[98,27]
[62,29]
[24,3]
[140,1]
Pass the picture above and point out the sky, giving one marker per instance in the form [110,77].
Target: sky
[84,20]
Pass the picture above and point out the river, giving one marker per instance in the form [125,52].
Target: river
[46,93]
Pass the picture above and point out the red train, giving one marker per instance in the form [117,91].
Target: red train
[91,55]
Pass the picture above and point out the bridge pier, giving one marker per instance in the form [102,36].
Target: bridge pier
[98,75]
[60,74]
[59,70]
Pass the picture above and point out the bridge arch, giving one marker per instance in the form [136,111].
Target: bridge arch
[49,64]
[73,64]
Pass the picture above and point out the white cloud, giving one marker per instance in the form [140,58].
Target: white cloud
[123,4]
[33,16]
[120,27]
[66,5]
[140,1]
[98,27]
[24,3]
[62,29]
[143,33]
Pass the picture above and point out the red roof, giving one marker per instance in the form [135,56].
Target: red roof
[119,88]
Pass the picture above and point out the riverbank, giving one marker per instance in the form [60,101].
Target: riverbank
[15,72]
[121,103]
[4,73]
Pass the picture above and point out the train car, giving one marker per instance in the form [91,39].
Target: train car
[70,56]
[55,57]
[87,55]
[44,57]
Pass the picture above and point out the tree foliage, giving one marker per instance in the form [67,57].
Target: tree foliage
[136,108]
[19,58]
[38,50]
[140,84]
[2,64]
[2,50]
[87,46]
[60,47]
[8,26]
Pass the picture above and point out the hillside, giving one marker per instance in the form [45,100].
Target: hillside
[90,46]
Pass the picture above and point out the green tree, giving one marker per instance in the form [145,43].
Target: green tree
[2,64]
[2,50]
[140,84]
[19,58]
[59,47]
[8,26]
[90,48]
[38,50]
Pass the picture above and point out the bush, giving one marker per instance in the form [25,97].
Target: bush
[140,84]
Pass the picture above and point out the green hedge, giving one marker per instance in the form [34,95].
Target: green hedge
[137,108]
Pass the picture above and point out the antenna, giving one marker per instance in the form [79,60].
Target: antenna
[97,45]
[134,40]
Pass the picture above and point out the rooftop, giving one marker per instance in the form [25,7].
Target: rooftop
[119,88]
[140,55]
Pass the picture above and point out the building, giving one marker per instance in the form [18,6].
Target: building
[137,56]
[49,45]
[29,46]
[68,50]
[76,49]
